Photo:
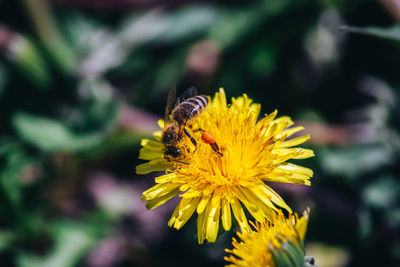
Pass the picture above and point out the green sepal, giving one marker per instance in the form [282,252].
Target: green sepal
[290,255]
[295,253]
[281,259]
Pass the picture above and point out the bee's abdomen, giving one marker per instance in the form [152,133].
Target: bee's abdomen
[199,103]
[189,109]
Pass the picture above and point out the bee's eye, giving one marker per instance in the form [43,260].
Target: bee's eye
[173,151]
[177,152]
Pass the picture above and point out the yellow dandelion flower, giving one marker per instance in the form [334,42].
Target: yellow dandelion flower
[213,186]
[278,242]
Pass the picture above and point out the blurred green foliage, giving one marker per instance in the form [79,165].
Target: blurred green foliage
[81,82]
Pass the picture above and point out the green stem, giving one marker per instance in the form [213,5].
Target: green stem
[41,15]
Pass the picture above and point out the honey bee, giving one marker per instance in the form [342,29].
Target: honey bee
[176,119]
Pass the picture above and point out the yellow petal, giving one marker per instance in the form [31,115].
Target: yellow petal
[161,123]
[251,203]
[303,153]
[157,135]
[275,198]
[191,194]
[174,216]
[153,166]
[301,224]
[186,208]
[270,131]
[165,178]
[271,116]
[220,98]
[151,150]
[148,154]
[201,227]
[155,202]
[268,206]
[213,212]
[202,204]
[285,121]
[239,215]
[295,141]
[152,145]
[159,190]
[293,153]
[295,168]
[226,214]
[291,131]
[293,178]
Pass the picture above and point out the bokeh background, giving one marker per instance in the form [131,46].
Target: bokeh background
[82,81]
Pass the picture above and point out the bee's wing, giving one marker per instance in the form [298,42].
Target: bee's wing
[170,101]
[188,93]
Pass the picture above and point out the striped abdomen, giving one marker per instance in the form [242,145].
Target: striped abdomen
[189,109]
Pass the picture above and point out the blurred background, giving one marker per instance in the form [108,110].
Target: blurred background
[82,81]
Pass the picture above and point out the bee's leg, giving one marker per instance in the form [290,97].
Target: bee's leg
[215,147]
[182,129]
[199,130]
[191,138]
[181,162]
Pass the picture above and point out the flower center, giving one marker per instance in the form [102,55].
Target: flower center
[246,154]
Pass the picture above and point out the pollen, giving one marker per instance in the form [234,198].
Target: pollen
[207,138]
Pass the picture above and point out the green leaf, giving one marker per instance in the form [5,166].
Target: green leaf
[72,241]
[51,135]
[15,161]
[263,60]
[392,33]
[27,58]
[365,220]
[168,70]
[187,22]
[3,79]
[393,217]
[6,237]
[7,144]
[355,160]
[382,192]
[234,23]
[48,32]
[99,111]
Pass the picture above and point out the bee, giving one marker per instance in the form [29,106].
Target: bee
[176,119]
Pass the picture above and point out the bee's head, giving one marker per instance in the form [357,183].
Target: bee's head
[173,152]
[170,135]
